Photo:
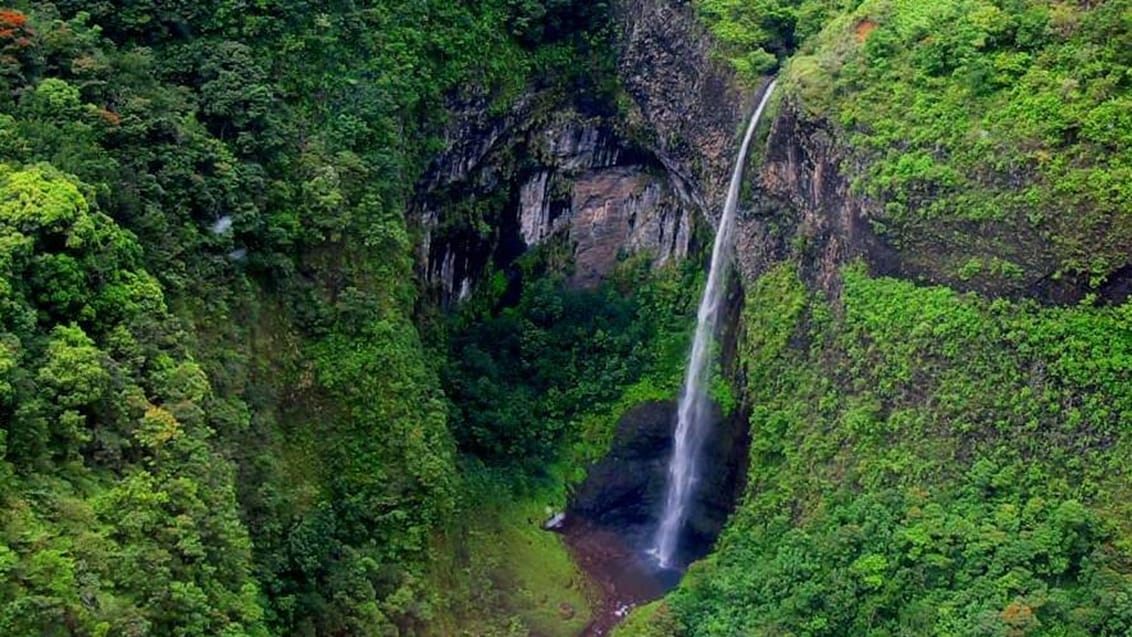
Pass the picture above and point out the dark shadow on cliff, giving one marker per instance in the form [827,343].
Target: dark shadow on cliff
[624,492]
[613,514]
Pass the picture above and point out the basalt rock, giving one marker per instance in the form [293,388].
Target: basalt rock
[801,205]
[687,99]
[637,179]
[607,185]
[534,176]
[624,492]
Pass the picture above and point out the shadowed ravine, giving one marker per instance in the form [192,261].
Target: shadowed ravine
[643,515]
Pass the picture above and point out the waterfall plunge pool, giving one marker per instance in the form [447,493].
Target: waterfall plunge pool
[613,514]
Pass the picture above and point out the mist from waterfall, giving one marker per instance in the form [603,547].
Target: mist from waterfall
[692,415]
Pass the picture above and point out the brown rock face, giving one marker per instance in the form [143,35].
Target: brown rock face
[686,100]
[623,210]
[802,204]
[554,176]
[606,185]
[611,184]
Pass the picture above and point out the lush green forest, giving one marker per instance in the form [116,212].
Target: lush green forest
[218,414]
[924,461]
[928,463]
[227,406]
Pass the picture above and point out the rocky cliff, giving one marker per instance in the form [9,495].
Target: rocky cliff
[688,100]
[606,184]
[695,107]
[637,179]
[799,201]
[802,205]
[624,492]
[540,174]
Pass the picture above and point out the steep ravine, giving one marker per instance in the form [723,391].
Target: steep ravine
[552,173]
[602,185]
[596,186]
[612,515]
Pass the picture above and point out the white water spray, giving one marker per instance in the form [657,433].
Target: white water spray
[692,415]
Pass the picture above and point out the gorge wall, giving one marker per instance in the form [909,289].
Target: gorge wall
[636,177]
[803,206]
[542,174]
[601,184]
[607,182]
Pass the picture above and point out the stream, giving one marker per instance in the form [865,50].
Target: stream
[624,575]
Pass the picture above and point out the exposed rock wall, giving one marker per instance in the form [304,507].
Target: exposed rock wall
[624,492]
[801,204]
[686,100]
[607,186]
[528,177]
[625,210]
[638,181]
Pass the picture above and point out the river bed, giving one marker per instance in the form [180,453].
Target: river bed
[624,577]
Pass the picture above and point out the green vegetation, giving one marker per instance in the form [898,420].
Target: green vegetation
[757,35]
[526,378]
[225,408]
[650,620]
[118,516]
[989,131]
[925,463]
[218,417]
[993,135]
[516,575]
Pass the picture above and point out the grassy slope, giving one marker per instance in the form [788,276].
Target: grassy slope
[510,576]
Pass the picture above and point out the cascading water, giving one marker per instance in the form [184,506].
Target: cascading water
[692,415]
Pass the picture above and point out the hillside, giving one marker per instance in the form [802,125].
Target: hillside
[312,315]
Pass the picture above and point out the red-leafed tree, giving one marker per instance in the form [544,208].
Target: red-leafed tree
[16,44]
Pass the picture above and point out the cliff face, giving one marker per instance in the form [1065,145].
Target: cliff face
[624,492]
[537,175]
[689,102]
[610,185]
[802,205]
[605,185]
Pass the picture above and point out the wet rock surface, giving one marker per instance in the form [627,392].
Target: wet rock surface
[613,514]
[625,490]
[801,201]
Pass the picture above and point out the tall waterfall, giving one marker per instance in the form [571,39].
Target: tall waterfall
[692,415]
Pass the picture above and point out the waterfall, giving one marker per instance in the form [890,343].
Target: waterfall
[692,415]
